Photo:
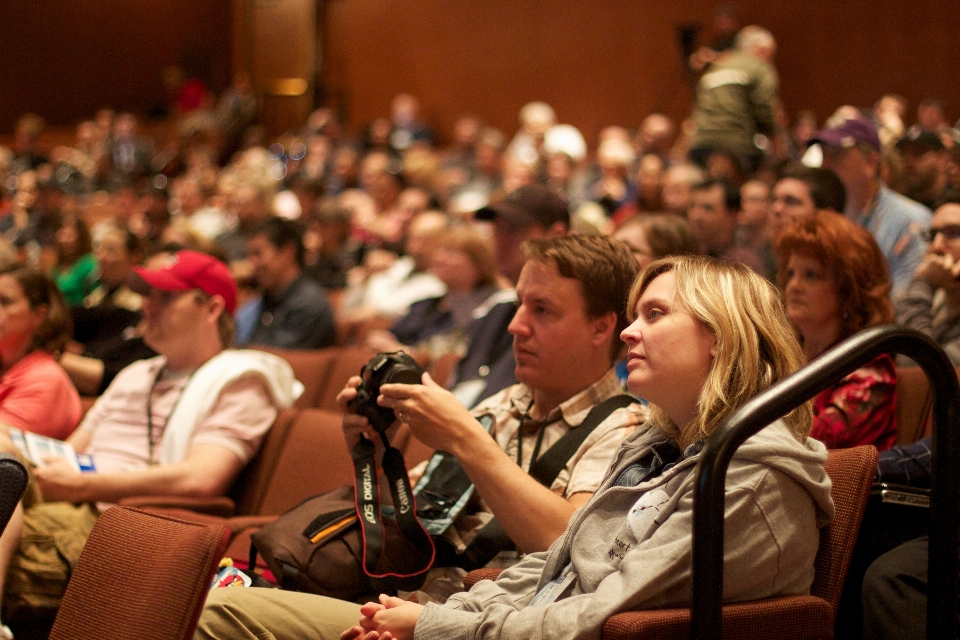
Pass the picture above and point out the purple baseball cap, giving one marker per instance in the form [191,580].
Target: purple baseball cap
[848,133]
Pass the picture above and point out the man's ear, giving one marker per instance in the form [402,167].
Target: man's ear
[603,329]
[215,306]
[557,229]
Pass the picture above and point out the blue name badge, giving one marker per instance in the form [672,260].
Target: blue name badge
[555,588]
[86,462]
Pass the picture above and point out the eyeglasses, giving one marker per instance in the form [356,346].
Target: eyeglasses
[950,232]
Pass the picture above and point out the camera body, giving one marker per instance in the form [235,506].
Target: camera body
[384,368]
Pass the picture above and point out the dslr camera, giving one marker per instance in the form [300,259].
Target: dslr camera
[383,368]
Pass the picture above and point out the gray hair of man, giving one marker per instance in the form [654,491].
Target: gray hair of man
[755,39]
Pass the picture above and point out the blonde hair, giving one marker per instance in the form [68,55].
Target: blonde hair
[476,247]
[756,344]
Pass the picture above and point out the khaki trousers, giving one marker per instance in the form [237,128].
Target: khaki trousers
[272,614]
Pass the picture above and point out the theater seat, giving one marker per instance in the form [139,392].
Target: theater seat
[914,404]
[141,576]
[303,455]
[311,367]
[349,362]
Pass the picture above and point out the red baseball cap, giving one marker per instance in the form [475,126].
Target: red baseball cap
[188,270]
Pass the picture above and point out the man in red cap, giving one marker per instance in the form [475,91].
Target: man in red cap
[181,424]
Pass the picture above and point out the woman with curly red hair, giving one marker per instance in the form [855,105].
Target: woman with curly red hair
[835,283]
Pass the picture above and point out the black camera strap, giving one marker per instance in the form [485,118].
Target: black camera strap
[414,542]
[492,538]
[547,467]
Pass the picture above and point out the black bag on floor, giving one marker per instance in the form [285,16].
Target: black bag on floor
[323,546]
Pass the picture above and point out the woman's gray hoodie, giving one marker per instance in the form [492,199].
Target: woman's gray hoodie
[630,547]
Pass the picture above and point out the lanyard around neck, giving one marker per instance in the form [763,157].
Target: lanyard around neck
[151,441]
[536,447]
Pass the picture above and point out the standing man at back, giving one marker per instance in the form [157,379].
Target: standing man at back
[736,100]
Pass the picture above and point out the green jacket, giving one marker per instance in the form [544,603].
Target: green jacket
[736,99]
[78,280]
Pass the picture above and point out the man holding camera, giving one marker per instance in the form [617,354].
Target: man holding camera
[571,294]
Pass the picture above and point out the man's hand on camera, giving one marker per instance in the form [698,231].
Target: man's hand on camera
[436,418]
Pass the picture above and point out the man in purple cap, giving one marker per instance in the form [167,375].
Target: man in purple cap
[851,149]
[181,424]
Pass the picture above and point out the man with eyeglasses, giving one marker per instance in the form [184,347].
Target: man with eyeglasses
[181,424]
[931,302]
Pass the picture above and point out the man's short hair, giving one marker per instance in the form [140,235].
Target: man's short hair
[826,189]
[731,194]
[281,232]
[604,267]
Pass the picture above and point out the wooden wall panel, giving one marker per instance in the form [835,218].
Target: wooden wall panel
[614,61]
[64,59]
[594,62]
[851,52]
[599,62]
[279,37]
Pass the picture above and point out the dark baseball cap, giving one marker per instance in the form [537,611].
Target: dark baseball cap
[530,205]
[188,270]
[921,141]
[848,133]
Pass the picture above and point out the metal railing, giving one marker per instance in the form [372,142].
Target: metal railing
[771,404]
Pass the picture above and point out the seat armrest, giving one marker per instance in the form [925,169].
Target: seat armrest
[241,523]
[783,618]
[477,575]
[220,506]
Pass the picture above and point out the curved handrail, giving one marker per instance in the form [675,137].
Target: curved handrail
[771,404]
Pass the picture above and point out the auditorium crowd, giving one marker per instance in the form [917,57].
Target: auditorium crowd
[407,238]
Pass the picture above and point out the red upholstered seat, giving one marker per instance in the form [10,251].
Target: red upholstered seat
[311,367]
[348,363]
[141,576]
